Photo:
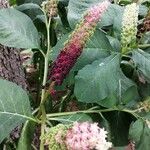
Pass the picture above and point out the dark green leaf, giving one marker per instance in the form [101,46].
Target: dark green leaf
[14,107]
[17,30]
[119,127]
[26,138]
[19,2]
[101,79]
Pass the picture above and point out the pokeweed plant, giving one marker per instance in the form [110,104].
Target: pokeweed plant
[97,73]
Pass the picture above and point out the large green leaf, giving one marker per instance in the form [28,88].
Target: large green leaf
[101,79]
[17,30]
[26,136]
[14,107]
[76,10]
[142,61]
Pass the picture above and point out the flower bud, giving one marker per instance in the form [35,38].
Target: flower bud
[50,7]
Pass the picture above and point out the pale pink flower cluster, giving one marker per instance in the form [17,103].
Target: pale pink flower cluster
[95,13]
[85,136]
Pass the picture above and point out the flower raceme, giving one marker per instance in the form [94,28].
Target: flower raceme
[86,136]
[129,26]
[79,136]
[77,40]
[50,7]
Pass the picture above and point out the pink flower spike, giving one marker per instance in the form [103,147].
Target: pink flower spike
[74,47]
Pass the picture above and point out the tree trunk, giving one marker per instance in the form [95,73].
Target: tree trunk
[10,62]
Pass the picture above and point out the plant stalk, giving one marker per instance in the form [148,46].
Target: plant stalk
[132,112]
[46,58]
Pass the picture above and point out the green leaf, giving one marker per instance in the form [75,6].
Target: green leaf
[26,136]
[17,30]
[140,133]
[117,25]
[143,10]
[101,79]
[136,130]
[19,2]
[27,6]
[144,143]
[73,118]
[76,9]
[146,38]
[114,43]
[142,61]
[14,107]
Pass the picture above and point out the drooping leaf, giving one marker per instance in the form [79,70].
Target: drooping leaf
[14,107]
[17,30]
[26,138]
[101,79]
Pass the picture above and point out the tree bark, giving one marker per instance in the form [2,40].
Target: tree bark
[10,61]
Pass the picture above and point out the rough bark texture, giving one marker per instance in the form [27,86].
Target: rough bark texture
[10,61]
